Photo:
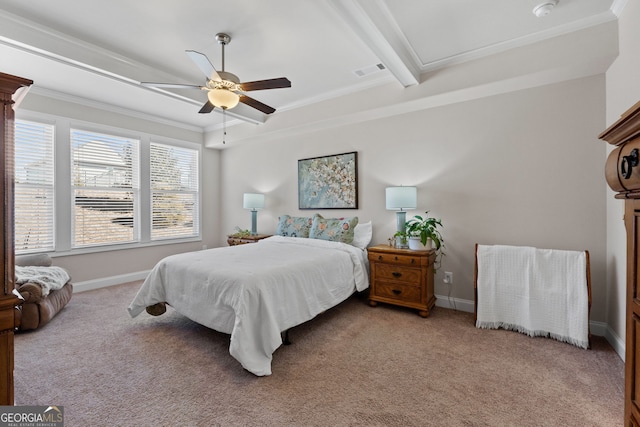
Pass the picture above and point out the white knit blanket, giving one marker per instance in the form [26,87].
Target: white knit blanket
[538,292]
[49,278]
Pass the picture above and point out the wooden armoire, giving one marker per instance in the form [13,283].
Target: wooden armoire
[9,85]
[622,172]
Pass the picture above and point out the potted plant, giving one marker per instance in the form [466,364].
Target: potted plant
[240,233]
[423,234]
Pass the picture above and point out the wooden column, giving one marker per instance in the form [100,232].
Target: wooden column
[8,87]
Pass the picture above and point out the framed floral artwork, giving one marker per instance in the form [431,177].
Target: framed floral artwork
[328,182]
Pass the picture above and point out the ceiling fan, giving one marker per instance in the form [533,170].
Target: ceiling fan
[224,89]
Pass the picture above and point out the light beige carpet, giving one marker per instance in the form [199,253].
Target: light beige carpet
[352,366]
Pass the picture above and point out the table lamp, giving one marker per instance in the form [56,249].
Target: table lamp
[254,202]
[399,198]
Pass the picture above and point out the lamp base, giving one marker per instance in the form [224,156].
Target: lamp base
[401,219]
[254,221]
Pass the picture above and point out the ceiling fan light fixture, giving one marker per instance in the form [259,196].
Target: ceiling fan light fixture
[223,98]
[543,9]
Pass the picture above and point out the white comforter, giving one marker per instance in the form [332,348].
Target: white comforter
[256,291]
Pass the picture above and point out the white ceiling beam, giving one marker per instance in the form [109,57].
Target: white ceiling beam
[371,21]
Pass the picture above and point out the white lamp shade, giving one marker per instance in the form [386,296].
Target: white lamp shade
[253,201]
[223,98]
[401,198]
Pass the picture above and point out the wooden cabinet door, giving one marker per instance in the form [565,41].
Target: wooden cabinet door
[632,355]
[8,86]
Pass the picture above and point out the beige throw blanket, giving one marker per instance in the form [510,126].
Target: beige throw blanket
[49,278]
[538,292]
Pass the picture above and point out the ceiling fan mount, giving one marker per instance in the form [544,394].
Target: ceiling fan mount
[224,89]
[223,38]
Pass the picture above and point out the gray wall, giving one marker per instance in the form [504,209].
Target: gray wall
[522,168]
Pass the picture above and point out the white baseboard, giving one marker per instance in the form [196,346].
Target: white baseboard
[455,303]
[599,329]
[616,342]
[90,285]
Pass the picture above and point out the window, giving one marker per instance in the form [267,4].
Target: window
[81,187]
[105,189]
[34,187]
[174,191]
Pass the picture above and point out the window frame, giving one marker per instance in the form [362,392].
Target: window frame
[134,189]
[196,213]
[63,189]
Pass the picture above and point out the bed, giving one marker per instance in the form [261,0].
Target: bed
[255,292]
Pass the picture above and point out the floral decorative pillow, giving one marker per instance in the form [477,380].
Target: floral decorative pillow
[333,229]
[294,226]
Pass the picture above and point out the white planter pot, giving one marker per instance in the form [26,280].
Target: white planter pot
[416,245]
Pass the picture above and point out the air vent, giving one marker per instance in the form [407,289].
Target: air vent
[366,71]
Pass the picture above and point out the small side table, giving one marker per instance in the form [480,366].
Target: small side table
[232,240]
[402,277]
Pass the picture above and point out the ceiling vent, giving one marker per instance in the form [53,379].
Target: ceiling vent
[366,71]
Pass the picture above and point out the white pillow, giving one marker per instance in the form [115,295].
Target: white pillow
[362,233]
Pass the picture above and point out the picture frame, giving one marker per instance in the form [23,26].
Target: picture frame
[328,182]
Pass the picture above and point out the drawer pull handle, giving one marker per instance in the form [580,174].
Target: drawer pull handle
[628,162]
[396,274]
[412,260]
[379,257]
[396,291]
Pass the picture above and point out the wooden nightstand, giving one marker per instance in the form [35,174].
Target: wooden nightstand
[402,277]
[232,241]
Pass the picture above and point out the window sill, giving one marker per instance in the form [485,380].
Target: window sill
[124,246]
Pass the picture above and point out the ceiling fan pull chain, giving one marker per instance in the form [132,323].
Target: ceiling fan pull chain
[224,126]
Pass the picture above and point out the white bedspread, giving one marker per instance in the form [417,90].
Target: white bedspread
[256,291]
[539,292]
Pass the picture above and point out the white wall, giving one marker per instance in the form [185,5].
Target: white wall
[521,168]
[623,91]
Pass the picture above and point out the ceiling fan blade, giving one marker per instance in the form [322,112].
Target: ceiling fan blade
[203,63]
[256,104]
[206,108]
[170,85]
[278,83]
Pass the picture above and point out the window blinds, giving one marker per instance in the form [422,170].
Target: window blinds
[105,189]
[174,191]
[34,187]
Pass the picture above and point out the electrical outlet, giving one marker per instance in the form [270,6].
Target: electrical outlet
[448,277]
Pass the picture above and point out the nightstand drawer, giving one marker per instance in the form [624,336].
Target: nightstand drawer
[397,273]
[395,259]
[402,277]
[399,291]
